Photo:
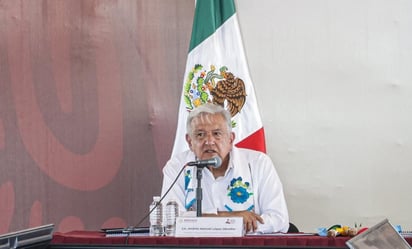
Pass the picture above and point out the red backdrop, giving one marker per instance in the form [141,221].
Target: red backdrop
[89,93]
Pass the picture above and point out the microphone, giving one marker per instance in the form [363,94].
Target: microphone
[215,162]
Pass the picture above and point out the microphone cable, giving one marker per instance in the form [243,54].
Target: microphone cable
[129,230]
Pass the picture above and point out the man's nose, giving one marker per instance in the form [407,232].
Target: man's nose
[210,139]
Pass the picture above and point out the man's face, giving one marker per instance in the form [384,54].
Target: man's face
[210,137]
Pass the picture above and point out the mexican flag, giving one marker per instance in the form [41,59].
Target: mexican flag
[217,72]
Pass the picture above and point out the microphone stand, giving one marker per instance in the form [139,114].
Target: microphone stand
[199,192]
[216,161]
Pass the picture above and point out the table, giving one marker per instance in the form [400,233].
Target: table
[87,239]
[96,239]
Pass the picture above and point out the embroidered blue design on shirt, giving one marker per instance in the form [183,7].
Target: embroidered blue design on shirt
[231,210]
[238,190]
[188,176]
[190,200]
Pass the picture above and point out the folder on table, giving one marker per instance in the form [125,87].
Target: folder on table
[381,236]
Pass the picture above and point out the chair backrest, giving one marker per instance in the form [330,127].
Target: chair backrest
[293,228]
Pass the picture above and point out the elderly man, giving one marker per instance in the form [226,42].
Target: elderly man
[245,185]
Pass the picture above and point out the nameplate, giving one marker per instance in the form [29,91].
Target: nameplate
[209,227]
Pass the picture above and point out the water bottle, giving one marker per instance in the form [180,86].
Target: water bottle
[172,212]
[156,217]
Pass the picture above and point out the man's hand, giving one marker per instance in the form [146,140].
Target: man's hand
[250,219]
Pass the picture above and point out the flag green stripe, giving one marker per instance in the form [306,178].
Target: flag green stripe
[209,16]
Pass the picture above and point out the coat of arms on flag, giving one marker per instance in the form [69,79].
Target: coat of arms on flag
[217,72]
[218,87]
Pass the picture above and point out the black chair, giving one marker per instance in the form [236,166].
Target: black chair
[293,228]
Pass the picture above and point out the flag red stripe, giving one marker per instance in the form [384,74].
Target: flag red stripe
[255,141]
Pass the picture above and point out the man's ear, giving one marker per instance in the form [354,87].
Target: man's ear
[232,137]
[189,141]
